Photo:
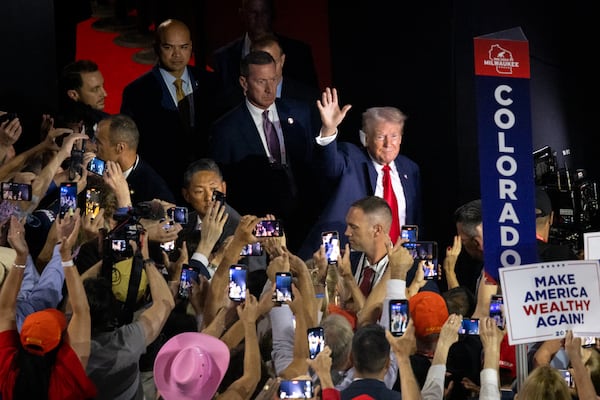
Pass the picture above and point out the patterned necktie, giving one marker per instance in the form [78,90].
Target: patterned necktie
[365,284]
[272,139]
[390,197]
[179,89]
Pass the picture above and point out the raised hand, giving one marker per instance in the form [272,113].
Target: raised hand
[331,114]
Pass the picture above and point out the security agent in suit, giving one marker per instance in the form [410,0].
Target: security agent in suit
[200,181]
[348,173]
[261,182]
[173,132]
[287,86]
[257,17]
[117,140]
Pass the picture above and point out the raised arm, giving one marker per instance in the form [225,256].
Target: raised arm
[246,384]
[80,324]
[216,292]
[154,317]
[450,262]
[12,283]
[583,380]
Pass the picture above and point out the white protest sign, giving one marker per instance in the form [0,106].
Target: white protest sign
[542,301]
[591,245]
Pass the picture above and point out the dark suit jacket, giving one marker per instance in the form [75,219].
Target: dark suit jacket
[371,387]
[299,64]
[254,185]
[145,184]
[347,174]
[166,141]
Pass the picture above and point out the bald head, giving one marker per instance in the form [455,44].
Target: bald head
[173,46]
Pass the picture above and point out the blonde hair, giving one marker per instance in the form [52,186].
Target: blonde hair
[544,383]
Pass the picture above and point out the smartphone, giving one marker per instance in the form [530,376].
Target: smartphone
[92,202]
[496,310]
[268,228]
[296,389]
[399,315]
[252,249]
[16,191]
[316,341]
[68,198]
[96,166]
[469,326]
[178,215]
[76,163]
[189,274]
[238,274]
[283,287]
[566,374]
[218,196]
[331,241]
[410,232]
[427,251]
[588,341]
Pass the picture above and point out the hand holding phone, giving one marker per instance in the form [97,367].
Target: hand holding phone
[96,166]
[67,198]
[16,191]
[469,326]
[296,389]
[92,202]
[496,305]
[410,232]
[425,251]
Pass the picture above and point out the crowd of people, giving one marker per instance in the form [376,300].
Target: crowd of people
[92,302]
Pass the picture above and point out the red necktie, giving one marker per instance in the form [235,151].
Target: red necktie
[390,197]
[365,284]
[272,139]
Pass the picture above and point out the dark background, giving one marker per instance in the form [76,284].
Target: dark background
[417,56]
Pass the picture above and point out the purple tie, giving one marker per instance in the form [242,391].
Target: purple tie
[272,139]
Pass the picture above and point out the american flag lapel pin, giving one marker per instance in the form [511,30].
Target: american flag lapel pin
[290,120]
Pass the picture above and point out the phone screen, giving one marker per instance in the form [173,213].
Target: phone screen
[268,228]
[496,310]
[469,326]
[566,374]
[410,232]
[96,166]
[178,215]
[16,191]
[252,249]
[283,287]
[398,316]
[68,198]
[427,251]
[237,282]
[588,341]
[189,274]
[316,341]
[331,241]
[296,389]
[92,202]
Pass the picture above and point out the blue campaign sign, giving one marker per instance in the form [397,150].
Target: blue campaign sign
[505,151]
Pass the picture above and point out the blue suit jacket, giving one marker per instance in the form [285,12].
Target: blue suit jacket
[254,185]
[348,175]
